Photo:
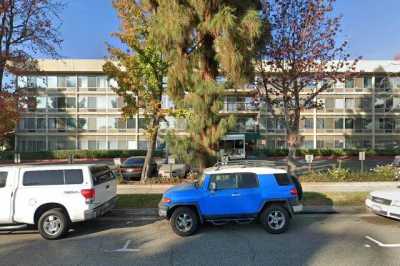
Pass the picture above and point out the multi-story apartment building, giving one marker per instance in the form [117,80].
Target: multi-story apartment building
[72,106]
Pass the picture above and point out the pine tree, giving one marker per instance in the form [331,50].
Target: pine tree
[204,40]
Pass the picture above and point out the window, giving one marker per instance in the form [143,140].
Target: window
[349,83]
[224,181]
[368,82]
[92,82]
[339,123]
[52,82]
[3,179]
[102,82]
[29,123]
[350,103]
[43,178]
[71,123]
[112,102]
[308,123]
[101,123]
[247,180]
[101,102]
[282,179]
[70,102]
[101,174]
[92,103]
[320,123]
[41,102]
[339,103]
[113,122]
[41,123]
[349,123]
[82,82]
[73,177]
[61,82]
[83,102]
[71,82]
[143,123]
[382,82]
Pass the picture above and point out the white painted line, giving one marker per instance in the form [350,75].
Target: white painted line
[125,248]
[367,246]
[381,244]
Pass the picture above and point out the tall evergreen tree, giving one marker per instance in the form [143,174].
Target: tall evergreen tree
[204,40]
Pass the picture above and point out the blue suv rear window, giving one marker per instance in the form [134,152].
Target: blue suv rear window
[282,179]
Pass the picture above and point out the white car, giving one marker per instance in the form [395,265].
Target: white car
[54,196]
[385,203]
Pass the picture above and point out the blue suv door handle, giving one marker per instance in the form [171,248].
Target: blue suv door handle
[235,194]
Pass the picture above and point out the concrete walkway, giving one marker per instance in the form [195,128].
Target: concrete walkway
[308,187]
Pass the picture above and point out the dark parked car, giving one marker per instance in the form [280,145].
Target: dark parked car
[131,168]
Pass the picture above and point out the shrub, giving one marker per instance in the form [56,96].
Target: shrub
[386,171]
[338,174]
[78,154]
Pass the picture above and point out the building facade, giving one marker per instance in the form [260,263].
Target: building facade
[71,106]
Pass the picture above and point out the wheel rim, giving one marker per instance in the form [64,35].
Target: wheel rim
[184,222]
[52,225]
[276,220]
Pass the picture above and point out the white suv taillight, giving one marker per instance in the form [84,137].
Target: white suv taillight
[89,195]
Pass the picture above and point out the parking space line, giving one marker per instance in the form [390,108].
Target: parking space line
[381,244]
[125,248]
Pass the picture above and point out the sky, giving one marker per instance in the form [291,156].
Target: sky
[372,28]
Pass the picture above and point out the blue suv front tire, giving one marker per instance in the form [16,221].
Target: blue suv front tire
[184,221]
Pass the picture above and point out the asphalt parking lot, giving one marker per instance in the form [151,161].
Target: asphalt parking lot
[339,239]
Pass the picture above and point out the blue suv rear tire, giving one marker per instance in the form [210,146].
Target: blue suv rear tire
[275,219]
[184,221]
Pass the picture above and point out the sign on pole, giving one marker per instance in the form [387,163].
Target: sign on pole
[309,159]
[361,157]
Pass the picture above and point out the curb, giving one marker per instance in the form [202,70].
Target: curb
[148,213]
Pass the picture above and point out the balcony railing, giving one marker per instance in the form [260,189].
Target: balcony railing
[240,107]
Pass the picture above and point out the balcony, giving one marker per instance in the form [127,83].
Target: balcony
[240,107]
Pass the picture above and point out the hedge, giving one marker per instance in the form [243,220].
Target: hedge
[260,153]
[78,154]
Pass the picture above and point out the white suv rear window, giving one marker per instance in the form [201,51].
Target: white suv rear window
[53,177]
[3,179]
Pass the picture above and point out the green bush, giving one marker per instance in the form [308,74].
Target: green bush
[263,153]
[78,154]
[379,173]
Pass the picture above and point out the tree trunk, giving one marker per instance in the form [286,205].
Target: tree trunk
[2,70]
[146,171]
[292,142]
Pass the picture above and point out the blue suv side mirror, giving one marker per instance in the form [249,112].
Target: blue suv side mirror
[213,186]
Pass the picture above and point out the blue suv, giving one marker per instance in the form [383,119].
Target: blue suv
[241,194]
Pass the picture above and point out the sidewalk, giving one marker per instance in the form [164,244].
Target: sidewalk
[307,187]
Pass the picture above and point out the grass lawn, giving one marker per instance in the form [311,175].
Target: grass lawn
[335,198]
[310,198]
[138,201]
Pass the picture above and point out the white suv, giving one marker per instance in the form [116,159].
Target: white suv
[54,196]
